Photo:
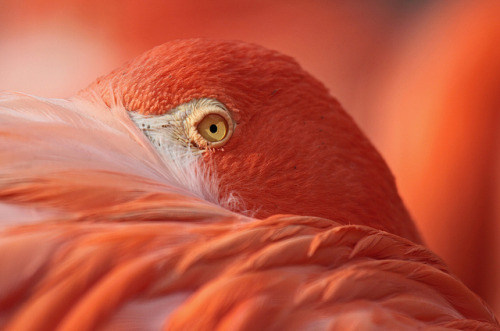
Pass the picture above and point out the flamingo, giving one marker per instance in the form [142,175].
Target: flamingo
[209,185]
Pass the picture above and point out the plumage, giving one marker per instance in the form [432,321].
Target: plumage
[100,229]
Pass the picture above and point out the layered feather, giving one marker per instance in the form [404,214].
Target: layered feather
[98,232]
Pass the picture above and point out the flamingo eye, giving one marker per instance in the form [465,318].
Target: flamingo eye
[213,128]
[209,125]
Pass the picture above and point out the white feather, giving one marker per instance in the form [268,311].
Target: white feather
[40,135]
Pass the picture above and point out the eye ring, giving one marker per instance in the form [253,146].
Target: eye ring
[210,127]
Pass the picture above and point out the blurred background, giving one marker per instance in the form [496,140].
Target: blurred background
[421,78]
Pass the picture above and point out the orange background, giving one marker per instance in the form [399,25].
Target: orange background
[421,78]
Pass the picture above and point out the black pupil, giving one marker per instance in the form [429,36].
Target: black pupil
[213,128]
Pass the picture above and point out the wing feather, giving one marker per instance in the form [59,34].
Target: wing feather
[80,249]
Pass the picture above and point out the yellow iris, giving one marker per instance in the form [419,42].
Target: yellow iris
[213,127]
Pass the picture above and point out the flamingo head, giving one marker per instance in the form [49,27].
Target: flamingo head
[268,132]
